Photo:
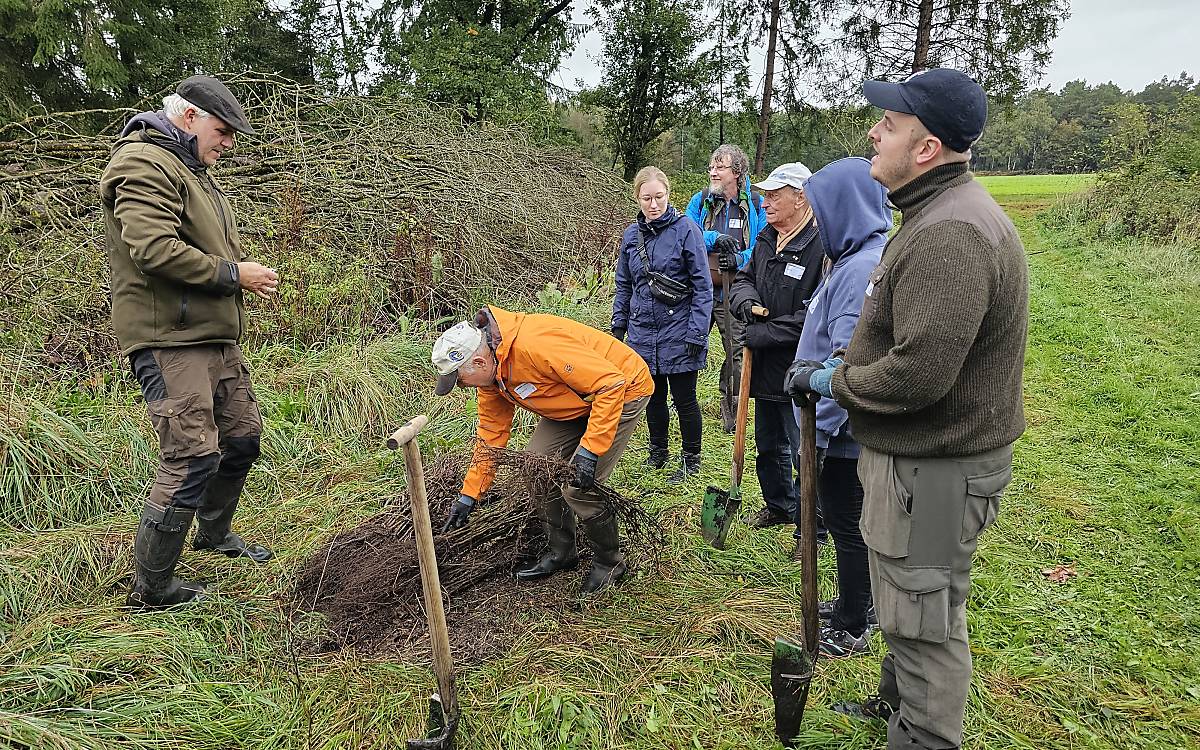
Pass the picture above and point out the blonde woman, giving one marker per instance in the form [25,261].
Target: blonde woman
[662,310]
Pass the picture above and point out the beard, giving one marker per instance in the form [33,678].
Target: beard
[893,174]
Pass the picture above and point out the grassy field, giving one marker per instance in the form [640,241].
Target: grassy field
[1106,485]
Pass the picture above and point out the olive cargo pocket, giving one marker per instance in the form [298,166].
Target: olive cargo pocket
[886,523]
[983,501]
[913,603]
[180,425]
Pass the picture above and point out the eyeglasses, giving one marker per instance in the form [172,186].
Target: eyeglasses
[719,167]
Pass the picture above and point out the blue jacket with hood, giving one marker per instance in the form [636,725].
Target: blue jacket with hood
[699,209]
[853,219]
[659,333]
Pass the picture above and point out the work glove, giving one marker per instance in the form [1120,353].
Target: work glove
[807,376]
[743,311]
[584,463]
[694,350]
[619,333]
[727,252]
[459,512]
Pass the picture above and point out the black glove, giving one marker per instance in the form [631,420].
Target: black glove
[727,252]
[743,311]
[458,513]
[797,382]
[585,471]
[694,350]
[619,333]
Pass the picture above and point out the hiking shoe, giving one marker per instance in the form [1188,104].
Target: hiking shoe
[839,644]
[872,708]
[766,517]
[690,467]
[657,459]
[825,613]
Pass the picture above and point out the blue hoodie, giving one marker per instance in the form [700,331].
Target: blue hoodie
[853,218]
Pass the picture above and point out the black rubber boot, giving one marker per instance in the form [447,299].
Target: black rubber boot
[156,549]
[220,502]
[658,458]
[608,564]
[689,468]
[559,523]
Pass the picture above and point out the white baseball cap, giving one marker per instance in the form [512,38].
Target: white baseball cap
[454,347]
[791,175]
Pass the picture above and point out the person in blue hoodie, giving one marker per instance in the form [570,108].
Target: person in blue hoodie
[672,338]
[731,215]
[853,219]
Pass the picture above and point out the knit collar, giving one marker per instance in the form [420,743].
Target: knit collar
[915,195]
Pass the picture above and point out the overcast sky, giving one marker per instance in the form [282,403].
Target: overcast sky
[1128,43]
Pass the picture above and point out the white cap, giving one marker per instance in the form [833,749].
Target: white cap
[792,175]
[451,350]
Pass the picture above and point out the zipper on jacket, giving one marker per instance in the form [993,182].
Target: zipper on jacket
[183,303]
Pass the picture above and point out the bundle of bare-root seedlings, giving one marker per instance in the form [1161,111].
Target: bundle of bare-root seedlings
[367,585]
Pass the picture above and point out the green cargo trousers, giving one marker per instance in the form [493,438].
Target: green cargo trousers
[552,437]
[202,406]
[921,520]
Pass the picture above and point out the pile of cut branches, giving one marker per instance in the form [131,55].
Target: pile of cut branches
[366,581]
[376,211]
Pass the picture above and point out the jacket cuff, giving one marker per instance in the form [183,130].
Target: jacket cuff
[226,280]
[466,499]
[585,452]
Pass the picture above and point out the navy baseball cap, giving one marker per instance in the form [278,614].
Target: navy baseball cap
[948,102]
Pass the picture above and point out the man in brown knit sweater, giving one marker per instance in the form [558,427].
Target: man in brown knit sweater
[932,383]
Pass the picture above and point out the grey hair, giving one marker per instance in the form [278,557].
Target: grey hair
[175,105]
[483,350]
[737,159]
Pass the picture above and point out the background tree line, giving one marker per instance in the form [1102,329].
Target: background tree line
[675,74]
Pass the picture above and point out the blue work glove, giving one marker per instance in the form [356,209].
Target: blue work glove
[821,381]
[584,462]
[459,512]
[797,383]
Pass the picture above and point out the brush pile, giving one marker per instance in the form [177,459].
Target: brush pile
[366,582]
[377,212]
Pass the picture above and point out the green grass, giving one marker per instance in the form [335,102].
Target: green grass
[1106,480]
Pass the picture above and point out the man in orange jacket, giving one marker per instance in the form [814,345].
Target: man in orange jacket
[590,391]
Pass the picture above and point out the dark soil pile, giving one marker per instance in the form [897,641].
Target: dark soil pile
[367,584]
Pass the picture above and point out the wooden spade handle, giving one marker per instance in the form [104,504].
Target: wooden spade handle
[431,584]
[743,411]
[405,434]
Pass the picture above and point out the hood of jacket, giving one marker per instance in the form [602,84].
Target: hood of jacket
[849,205]
[158,129]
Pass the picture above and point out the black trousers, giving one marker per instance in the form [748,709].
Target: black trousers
[841,503]
[682,386]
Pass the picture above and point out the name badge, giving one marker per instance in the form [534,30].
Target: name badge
[524,389]
[735,223]
[795,270]
[870,288]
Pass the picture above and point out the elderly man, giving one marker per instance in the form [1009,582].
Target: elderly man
[781,276]
[731,216]
[178,274]
[932,384]
[590,391]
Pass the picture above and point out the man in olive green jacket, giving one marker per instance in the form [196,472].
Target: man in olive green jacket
[178,273]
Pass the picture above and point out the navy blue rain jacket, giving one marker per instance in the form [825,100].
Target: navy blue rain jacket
[853,219]
[660,334]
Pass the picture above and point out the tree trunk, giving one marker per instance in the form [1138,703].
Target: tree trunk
[764,115]
[346,50]
[924,27]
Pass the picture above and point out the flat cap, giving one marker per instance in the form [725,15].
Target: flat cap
[214,97]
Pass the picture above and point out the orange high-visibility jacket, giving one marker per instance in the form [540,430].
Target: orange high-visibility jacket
[558,369]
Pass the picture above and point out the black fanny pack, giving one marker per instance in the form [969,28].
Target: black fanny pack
[662,287]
